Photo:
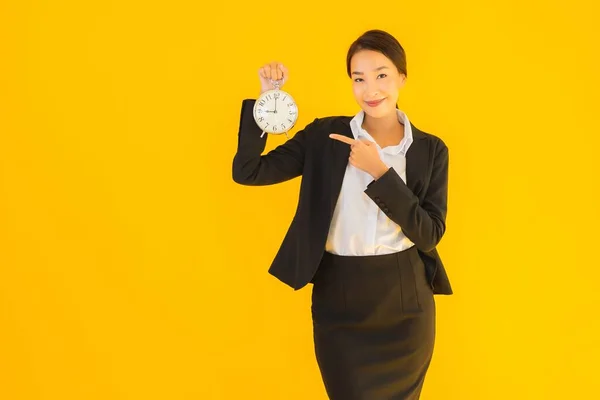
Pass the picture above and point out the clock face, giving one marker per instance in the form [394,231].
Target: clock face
[275,111]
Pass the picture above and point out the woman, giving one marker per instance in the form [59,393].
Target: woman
[371,211]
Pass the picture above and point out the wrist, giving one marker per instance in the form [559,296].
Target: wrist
[381,170]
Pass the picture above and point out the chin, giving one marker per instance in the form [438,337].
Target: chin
[378,112]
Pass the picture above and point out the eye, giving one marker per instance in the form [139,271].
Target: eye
[358,80]
[384,75]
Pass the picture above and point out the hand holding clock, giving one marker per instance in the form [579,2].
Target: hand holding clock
[270,116]
[270,72]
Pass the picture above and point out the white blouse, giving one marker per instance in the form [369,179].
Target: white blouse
[358,226]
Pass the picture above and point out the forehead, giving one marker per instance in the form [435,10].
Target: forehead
[365,60]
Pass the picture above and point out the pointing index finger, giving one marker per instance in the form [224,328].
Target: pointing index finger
[342,138]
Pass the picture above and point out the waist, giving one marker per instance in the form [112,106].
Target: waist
[331,259]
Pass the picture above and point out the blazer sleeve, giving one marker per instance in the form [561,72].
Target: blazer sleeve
[252,168]
[424,223]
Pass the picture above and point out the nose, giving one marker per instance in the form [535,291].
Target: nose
[372,91]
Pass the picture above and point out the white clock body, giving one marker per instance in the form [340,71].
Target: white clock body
[275,111]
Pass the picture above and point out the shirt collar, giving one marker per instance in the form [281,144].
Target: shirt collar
[400,148]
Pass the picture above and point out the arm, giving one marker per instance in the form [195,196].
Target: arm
[424,224]
[283,163]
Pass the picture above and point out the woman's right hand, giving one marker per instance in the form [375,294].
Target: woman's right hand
[272,71]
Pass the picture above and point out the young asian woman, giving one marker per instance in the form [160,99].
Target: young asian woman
[371,211]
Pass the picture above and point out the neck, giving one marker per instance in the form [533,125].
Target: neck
[383,127]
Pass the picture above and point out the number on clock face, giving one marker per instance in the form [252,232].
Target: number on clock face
[275,112]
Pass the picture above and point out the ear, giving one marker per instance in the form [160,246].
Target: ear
[401,81]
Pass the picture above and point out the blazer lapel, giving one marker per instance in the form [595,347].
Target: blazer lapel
[416,162]
[340,152]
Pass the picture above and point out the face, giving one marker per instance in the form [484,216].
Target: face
[376,83]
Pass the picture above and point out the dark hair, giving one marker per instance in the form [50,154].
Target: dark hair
[383,42]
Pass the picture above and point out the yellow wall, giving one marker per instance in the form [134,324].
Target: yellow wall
[132,267]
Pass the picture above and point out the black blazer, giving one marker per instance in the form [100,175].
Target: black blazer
[419,206]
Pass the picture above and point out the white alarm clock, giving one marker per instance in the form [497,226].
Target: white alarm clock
[275,111]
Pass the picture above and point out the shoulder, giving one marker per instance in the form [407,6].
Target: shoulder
[433,140]
[321,127]
[331,121]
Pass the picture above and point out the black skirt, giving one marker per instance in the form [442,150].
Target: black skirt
[374,325]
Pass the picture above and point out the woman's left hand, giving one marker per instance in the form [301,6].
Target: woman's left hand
[364,155]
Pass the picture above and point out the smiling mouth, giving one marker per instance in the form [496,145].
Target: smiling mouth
[374,103]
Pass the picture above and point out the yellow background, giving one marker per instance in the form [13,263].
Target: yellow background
[132,267]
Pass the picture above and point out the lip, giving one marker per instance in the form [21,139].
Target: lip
[374,103]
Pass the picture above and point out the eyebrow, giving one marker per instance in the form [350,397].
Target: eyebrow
[376,69]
